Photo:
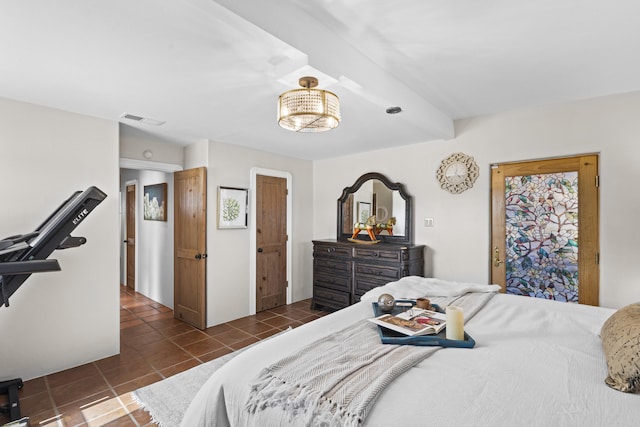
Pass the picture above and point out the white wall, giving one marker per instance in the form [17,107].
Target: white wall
[228,262]
[61,319]
[154,243]
[134,142]
[458,244]
[196,155]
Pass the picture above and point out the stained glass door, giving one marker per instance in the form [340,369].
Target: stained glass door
[545,229]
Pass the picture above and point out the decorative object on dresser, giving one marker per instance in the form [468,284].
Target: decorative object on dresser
[344,271]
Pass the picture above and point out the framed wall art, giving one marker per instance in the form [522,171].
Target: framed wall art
[364,211]
[232,207]
[155,202]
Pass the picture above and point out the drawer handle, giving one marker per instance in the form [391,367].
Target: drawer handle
[331,250]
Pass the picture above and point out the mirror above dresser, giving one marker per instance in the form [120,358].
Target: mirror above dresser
[346,268]
[375,198]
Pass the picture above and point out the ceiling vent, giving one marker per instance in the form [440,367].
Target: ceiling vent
[144,120]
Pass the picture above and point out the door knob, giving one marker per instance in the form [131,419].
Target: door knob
[198,256]
[496,258]
[259,249]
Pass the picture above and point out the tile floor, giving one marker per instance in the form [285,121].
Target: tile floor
[153,346]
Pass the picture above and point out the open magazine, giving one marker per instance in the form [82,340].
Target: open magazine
[412,322]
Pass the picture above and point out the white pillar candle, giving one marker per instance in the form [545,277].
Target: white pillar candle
[455,323]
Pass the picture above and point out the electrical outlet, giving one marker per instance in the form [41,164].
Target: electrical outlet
[428,222]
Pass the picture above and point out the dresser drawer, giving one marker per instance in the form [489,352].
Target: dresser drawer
[379,254]
[330,298]
[364,284]
[332,251]
[339,283]
[336,267]
[387,274]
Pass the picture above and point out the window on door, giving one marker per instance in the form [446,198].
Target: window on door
[545,229]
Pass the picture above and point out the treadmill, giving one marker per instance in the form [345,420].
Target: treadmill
[24,254]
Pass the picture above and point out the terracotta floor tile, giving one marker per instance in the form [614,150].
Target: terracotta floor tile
[282,310]
[241,344]
[34,386]
[141,329]
[262,315]
[117,418]
[218,329]
[161,324]
[243,322]
[129,372]
[268,333]
[255,328]
[232,336]
[137,383]
[143,340]
[73,414]
[158,316]
[189,338]
[153,345]
[165,359]
[179,367]
[178,329]
[72,375]
[214,354]
[296,314]
[279,321]
[71,392]
[151,350]
[140,415]
[131,323]
[204,346]
[38,403]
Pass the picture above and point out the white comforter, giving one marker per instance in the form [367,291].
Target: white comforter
[535,363]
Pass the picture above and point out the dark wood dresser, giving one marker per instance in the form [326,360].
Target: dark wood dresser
[344,271]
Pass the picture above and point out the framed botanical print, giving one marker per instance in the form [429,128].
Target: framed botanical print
[232,207]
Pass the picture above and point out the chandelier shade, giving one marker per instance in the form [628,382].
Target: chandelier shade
[308,109]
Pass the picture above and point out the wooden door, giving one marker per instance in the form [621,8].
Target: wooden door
[130,239]
[537,209]
[271,242]
[190,250]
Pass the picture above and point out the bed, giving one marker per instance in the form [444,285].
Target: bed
[535,362]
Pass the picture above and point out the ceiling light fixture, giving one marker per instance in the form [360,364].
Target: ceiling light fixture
[308,109]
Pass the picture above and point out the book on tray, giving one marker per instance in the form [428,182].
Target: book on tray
[413,322]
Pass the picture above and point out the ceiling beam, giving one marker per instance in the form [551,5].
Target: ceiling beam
[292,22]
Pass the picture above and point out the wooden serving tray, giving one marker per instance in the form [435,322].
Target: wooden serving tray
[387,336]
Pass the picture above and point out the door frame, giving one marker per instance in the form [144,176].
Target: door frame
[252,231]
[142,165]
[133,182]
[589,264]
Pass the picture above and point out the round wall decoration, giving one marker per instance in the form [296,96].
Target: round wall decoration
[457,173]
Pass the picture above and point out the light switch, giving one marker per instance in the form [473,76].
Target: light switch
[428,222]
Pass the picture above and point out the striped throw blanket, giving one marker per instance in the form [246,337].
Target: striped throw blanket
[334,381]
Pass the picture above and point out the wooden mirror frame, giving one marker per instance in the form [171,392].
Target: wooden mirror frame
[407,239]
